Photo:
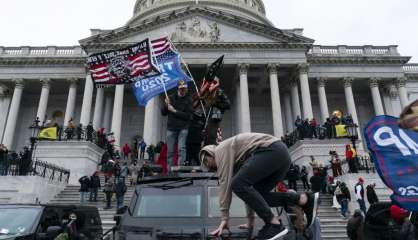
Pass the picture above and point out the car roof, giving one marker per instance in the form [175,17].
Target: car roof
[33,205]
[178,177]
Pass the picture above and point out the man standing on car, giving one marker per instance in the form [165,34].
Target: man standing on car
[178,107]
[250,165]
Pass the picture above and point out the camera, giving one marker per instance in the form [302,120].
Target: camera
[332,152]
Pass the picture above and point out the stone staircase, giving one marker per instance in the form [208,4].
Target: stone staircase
[333,226]
[71,195]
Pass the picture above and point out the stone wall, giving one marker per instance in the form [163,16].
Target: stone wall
[81,158]
[28,189]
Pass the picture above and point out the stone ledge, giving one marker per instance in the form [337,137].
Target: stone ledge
[80,157]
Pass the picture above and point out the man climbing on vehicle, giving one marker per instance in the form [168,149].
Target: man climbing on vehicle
[250,165]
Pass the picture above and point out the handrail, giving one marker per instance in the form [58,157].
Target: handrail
[19,166]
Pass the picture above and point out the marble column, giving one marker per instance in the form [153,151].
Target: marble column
[87,101]
[377,100]
[107,117]
[150,123]
[395,101]
[387,102]
[237,109]
[288,112]
[323,103]
[295,100]
[275,101]
[117,115]
[403,93]
[244,99]
[43,101]
[305,91]
[4,108]
[349,98]
[98,109]
[71,100]
[13,113]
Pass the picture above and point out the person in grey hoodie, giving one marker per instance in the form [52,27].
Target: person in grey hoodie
[250,165]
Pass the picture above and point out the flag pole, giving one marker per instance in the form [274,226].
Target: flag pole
[155,59]
[189,72]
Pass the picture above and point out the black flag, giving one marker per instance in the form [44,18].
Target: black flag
[215,69]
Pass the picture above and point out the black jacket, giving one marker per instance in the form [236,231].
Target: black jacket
[84,184]
[181,119]
[316,183]
[95,182]
[371,195]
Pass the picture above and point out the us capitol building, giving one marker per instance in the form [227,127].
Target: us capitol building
[271,75]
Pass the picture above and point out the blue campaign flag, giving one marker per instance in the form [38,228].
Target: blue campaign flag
[394,151]
[171,73]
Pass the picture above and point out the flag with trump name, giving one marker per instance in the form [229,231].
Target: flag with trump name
[169,64]
[394,151]
[123,66]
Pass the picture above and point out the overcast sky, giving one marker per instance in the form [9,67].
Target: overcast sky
[329,22]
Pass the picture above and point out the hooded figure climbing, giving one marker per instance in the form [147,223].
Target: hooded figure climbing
[250,165]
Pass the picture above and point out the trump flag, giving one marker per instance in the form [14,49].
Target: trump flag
[395,153]
[169,64]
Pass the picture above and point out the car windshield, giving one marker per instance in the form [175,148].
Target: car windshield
[178,202]
[17,221]
[237,209]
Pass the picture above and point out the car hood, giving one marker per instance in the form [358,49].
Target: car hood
[169,233]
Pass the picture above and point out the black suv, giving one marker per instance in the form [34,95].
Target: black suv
[182,207]
[43,222]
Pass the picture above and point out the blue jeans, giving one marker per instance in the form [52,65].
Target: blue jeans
[179,137]
[362,205]
[344,207]
[83,196]
[119,202]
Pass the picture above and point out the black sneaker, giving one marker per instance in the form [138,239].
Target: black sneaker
[311,207]
[272,232]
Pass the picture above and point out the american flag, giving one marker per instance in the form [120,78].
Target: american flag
[123,65]
[161,45]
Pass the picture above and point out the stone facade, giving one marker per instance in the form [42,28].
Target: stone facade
[271,75]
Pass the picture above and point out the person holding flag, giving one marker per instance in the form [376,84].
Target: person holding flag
[178,109]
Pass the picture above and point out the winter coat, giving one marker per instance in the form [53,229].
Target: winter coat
[109,186]
[343,193]
[371,195]
[316,183]
[120,186]
[95,181]
[407,231]
[84,184]
[181,119]
[355,228]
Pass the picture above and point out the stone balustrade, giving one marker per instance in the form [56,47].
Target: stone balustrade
[48,51]
[343,50]
[411,68]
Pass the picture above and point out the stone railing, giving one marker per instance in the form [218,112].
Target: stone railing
[49,51]
[343,50]
[411,68]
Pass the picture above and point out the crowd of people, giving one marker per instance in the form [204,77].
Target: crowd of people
[310,129]
[13,163]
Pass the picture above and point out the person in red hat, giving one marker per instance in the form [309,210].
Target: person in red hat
[359,191]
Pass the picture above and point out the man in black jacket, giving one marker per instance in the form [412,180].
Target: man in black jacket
[371,194]
[178,107]
[94,186]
